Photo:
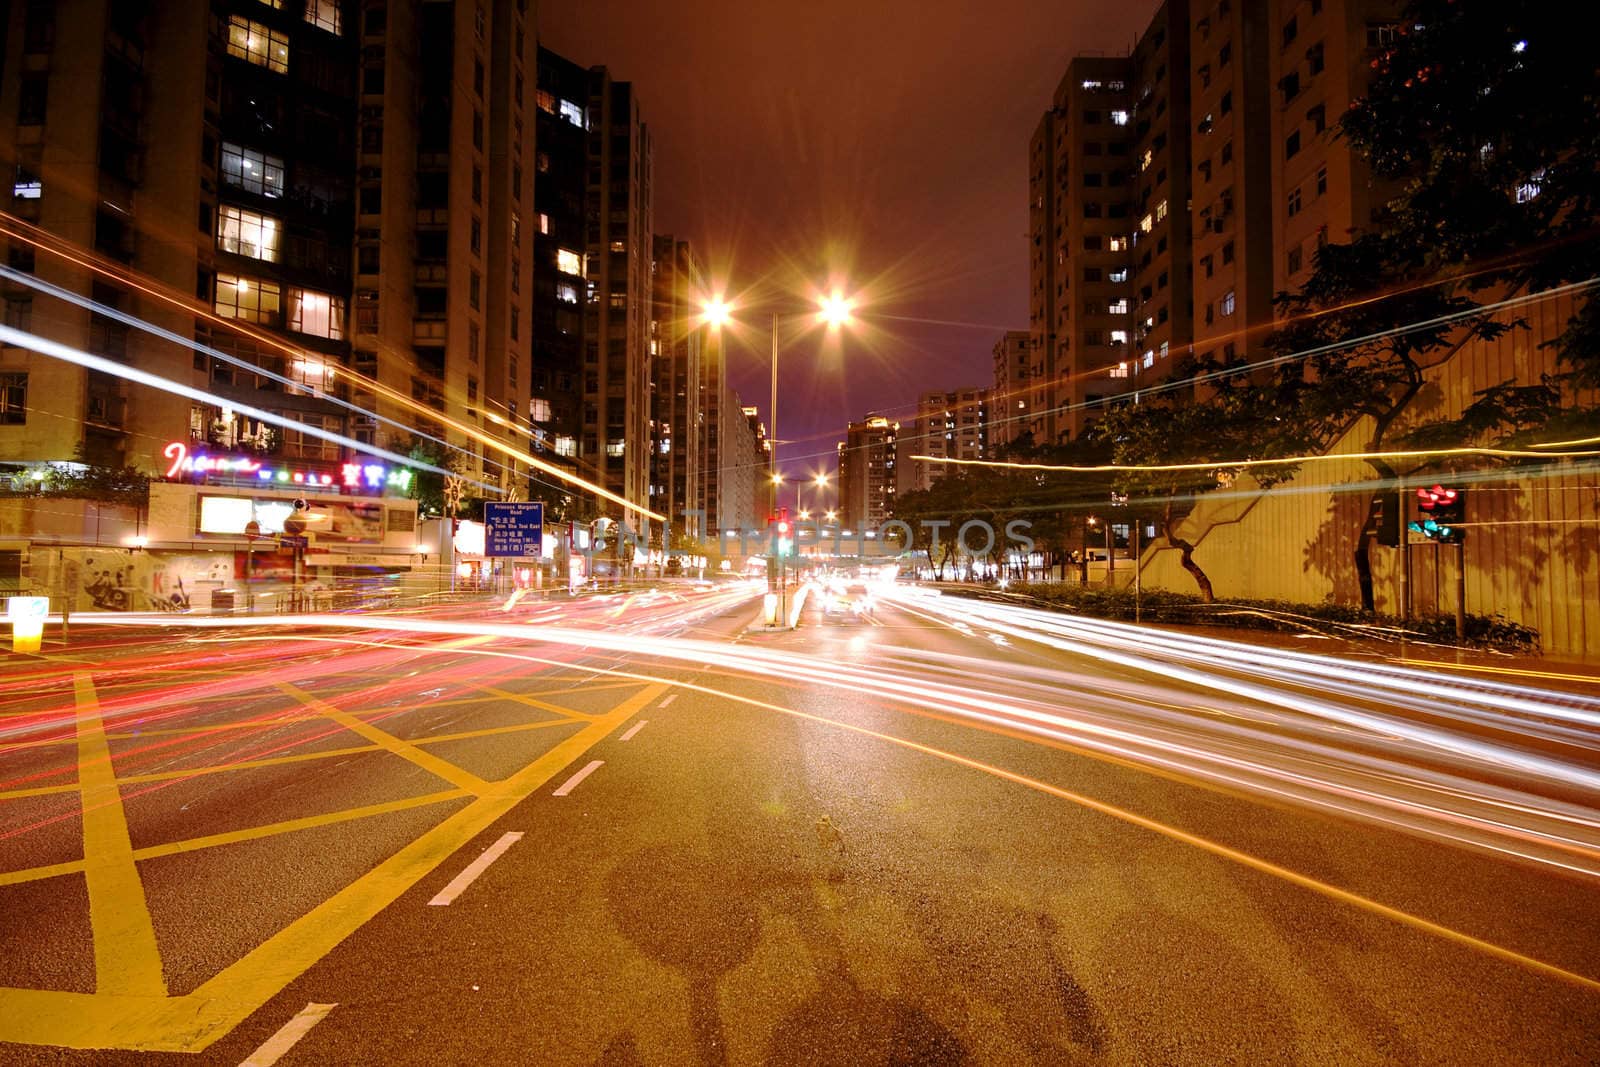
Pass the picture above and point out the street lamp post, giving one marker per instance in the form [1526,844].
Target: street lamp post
[833,310]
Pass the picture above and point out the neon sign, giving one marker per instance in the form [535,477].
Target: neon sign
[352,476]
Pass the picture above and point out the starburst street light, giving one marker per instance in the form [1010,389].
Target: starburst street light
[716,312]
[834,309]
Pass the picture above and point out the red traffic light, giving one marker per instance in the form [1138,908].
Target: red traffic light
[1437,497]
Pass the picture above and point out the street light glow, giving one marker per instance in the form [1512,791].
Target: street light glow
[716,312]
[835,309]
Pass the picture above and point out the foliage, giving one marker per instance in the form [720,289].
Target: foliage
[1242,421]
[1484,120]
[1053,503]
[80,481]
[1281,616]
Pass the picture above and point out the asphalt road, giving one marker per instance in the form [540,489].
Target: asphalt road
[719,844]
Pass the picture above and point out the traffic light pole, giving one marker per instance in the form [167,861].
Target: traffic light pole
[1404,536]
[1461,590]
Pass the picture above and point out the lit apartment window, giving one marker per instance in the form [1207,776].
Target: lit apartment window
[1118,244]
[247,299]
[1146,223]
[544,223]
[1119,337]
[1225,305]
[324,15]
[573,113]
[566,446]
[27,186]
[1120,370]
[317,314]
[13,398]
[1161,211]
[1144,160]
[614,446]
[252,171]
[569,262]
[1117,307]
[246,233]
[567,293]
[1118,275]
[255,43]
[1526,190]
[539,409]
[547,101]
[315,373]
[1119,118]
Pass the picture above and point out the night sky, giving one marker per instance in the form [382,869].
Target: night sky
[881,144]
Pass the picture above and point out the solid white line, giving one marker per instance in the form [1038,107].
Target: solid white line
[669,698]
[275,1046]
[635,729]
[475,868]
[572,783]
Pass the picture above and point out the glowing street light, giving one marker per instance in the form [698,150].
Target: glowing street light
[716,312]
[835,309]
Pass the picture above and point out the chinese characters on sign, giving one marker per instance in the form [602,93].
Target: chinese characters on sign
[514,529]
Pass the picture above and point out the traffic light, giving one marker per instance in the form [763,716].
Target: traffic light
[1443,514]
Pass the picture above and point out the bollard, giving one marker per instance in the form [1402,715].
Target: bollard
[27,615]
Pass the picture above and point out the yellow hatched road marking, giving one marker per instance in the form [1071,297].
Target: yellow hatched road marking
[456,776]
[191,1023]
[274,761]
[534,702]
[233,837]
[126,960]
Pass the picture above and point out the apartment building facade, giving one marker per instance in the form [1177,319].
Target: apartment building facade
[867,469]
[1175,191]
[1081,244]
[1009,414]
[947,425]
[677,420]
[561,175]
[618,232]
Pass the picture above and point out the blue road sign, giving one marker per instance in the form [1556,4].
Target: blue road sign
[513,529]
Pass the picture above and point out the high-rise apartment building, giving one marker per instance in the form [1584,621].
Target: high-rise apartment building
[208,156]
[1159,284]
[444,262]
[948,425]
[867,473]
[1320,54]
[715,398]
[308,172]
[677,342]
[617,367]
[1009,413]
[560,195]
[1175,191]
[1080,314]
[1232,248]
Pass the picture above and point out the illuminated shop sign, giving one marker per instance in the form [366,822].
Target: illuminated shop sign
[353,476]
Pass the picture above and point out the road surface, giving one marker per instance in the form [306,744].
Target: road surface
[641,829]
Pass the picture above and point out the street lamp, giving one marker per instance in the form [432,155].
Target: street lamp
[834,310]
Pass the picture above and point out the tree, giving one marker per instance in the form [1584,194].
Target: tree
[1240,422]
[1486,119]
